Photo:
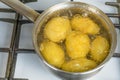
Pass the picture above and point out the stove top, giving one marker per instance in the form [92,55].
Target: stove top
[18,60]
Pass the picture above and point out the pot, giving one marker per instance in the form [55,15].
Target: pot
[66,8]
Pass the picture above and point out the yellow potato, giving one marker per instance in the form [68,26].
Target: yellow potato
[79,65]
[52,53]
[84,24]
[77,44]
[57,28]
[99,49]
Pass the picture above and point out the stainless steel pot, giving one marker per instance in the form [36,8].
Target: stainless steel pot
[67,8]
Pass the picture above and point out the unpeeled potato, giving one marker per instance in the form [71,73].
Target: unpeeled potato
[79,65]
[57,29]
[84,24]
[52,53]
[77,44]
[72,35]
[99,49]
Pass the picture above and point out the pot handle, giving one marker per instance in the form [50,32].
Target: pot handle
[22,9]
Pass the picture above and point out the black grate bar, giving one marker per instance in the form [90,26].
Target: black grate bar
[113,15]
[71,0]
[4,49]
[25,21]
[116,55]
[25,51]
[116,4]
[39,11]
[18,31]
[19,79]
[7,10]
[7,20]
[10,55]
[13,20]
[10,68]
[117,26]
[16,44]
[27,1]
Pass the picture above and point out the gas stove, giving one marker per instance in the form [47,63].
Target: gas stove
[18,60]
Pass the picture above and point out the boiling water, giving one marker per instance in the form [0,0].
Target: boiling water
[70,13]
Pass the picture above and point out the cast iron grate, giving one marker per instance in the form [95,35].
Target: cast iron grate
[14,49]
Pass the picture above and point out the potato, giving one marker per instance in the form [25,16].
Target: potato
[84,24]
[52,53]
[77,44]
[57,28]
[99,49]
[79,65]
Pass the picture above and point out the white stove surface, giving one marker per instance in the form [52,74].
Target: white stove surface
[29,66]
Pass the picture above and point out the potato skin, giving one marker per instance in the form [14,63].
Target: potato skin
[78,53]
[84,24]
[79,65]
[77,44]
[57,28]
[99,49]
[52,53]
